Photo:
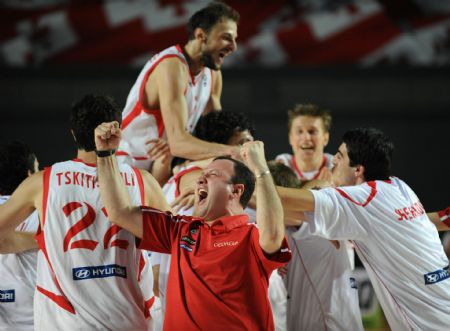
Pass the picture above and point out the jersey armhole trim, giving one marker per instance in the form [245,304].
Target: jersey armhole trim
[373,192]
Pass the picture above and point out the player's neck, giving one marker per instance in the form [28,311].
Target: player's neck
[192,52]
[308,165]
[87,157]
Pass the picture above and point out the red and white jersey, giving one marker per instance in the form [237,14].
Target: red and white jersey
[89,270]
[18,282]
[398,245]
[318,281]
[140,124]
[289,161]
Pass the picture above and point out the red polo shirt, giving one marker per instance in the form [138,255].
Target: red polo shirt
[219,274]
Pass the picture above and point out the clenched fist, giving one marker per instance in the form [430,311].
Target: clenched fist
[253,155]
[107,136]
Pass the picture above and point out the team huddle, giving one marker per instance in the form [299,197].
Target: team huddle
[170,217]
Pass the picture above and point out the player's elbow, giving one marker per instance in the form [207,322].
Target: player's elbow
[271,242]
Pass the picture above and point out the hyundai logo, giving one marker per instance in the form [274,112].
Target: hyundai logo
[432,278]
[82,274]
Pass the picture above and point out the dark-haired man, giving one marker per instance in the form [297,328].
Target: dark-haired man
[394,238]
[220,264]
[17,271]
[90,274]
[224,127]
[175,88]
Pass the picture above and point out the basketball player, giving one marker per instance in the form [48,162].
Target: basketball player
[90,273]
[395,240]
[175,88]
[319,275]
[309,133]
[17,271]
[220,264]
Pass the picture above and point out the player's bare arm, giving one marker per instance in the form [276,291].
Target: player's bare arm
[441,219]
[296,201]
[17,242]
[171,86]
[25,199]
[113,191]
[269,214]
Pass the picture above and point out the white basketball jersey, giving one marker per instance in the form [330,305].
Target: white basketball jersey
[141,124]
[289,161]
[18,282]
[319,281]
[89,270]
[398,245]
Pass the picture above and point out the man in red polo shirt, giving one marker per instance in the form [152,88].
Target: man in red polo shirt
[220,264]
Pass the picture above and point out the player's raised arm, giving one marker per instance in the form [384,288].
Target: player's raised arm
[113,192]
[175,115]
[269,213]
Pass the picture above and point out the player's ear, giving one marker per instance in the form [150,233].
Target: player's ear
[238,189]
[327,138]
[359,171]
[200,34]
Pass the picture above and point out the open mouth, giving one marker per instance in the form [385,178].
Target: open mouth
[202,195]
[307,148]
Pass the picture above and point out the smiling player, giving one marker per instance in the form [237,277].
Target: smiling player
[175,88]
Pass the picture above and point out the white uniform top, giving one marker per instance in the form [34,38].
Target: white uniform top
[289,161]
[89,270]
[398,245]
[322,293]
[17,282]
[141,124]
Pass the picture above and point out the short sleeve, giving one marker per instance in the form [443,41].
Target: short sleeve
[158,228]
[335,217]
[272,261]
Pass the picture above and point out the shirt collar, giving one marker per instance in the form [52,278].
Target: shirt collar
[228,223]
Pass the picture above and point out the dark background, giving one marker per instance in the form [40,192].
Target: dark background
[411,104]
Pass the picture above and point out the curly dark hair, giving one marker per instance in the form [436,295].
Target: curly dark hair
[372,149]
[220,126]
[15,162]
[87,114]
[209,16]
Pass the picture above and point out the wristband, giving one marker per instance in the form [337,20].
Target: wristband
[263,173]
[444,216]
[105,153]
